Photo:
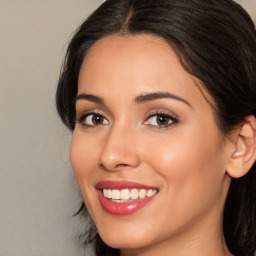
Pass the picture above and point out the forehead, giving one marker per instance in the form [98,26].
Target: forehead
[134,64]
[127,54]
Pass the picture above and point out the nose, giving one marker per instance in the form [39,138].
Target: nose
[119,151]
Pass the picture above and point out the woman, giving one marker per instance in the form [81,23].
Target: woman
[160,97]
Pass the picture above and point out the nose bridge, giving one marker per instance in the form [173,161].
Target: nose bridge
[119,149]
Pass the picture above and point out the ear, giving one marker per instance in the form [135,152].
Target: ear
[243,157]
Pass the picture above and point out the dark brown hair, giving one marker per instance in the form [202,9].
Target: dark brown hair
[215,41]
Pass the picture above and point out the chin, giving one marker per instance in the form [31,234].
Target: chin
[126,237]
[125,241]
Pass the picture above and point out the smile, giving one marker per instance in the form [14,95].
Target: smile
[122,198]
[124,195]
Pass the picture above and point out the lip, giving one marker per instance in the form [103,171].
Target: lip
[109,184]
[126,207]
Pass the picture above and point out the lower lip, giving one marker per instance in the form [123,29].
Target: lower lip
[123,208]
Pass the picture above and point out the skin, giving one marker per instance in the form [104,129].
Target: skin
[186,160]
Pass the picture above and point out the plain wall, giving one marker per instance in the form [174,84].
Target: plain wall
[38,191]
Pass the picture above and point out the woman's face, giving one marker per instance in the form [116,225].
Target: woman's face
[147,139]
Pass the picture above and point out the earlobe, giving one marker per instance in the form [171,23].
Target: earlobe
[244,155]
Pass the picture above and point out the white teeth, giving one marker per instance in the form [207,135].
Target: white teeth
[116,194]
[134,193]
[109,194]
[119,200]
[105,192]
[150,193]
[142,193]
[124,195]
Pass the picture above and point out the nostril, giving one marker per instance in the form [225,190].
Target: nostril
[102,166]
[122,165]
[114,167]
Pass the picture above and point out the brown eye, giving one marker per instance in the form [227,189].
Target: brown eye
[97,119]
[162,120]
[93,119]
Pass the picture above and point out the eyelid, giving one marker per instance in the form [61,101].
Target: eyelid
[158,112]
[81,117]
[161,111]
[83,111]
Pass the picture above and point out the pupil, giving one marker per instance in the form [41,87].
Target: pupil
[97,119]
[162,120]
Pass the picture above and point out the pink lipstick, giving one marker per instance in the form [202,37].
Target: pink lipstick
[124,197]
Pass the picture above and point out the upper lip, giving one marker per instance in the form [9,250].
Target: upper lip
[109,184]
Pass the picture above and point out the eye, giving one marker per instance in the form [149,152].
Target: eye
[160,120]
[92,119]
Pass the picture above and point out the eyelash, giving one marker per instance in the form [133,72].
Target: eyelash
[171,120]
[83,117]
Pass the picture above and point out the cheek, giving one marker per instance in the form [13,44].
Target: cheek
[83,160]
[83,153]
[78,155]
[191,166]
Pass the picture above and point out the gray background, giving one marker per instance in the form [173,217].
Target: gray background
[38,191]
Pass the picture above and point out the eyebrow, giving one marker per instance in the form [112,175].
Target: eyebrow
[89,97]
[142,98]
[145,97]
